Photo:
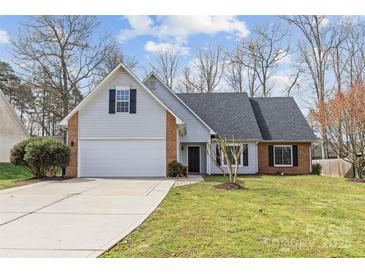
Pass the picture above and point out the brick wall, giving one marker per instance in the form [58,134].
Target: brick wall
[73,144]
[170,138]
[304,161]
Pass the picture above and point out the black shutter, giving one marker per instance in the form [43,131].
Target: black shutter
[271,155]
[245,156]
[133,101]
[218,155]
[295,155]
[111,101]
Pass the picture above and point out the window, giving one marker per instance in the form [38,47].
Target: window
[283,156]
[122,100]
[230,153]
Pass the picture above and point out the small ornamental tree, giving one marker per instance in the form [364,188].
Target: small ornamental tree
[343,117]
[225,153]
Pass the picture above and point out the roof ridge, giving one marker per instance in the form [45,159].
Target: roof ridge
[277,97]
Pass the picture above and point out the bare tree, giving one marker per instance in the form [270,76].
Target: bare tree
[294,76]
[186,83]
[62,47]
[209,66]
[354,49]
[235,72]
[315,52]
[226,152]
[113,56]
[166,65]
[262,55]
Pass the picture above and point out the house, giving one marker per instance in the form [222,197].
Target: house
[12,130]
[132,128]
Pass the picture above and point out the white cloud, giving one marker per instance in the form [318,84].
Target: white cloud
[139,25]
[154,47]
[4,37]
[180,28]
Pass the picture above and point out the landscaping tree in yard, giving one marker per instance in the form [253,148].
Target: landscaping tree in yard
[343,117]
[225,152]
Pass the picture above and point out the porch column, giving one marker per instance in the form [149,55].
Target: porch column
[208,158]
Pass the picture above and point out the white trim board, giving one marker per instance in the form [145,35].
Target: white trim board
[122,138]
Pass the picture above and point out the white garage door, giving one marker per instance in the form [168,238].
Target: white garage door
[122,158]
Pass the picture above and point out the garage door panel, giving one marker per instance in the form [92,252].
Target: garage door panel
[114,158]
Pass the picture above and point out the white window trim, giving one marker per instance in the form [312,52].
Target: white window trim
[120,88]
[233,165]
[291,148]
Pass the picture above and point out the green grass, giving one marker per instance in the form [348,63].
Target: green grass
[293,216]
[9,173]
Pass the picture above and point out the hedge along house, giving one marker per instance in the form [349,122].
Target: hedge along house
[129,128]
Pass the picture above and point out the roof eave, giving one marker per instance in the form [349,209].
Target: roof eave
[289,140]
[180,100]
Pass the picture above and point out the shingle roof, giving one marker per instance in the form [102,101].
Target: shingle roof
[228,114]
[236,115]
[279,118]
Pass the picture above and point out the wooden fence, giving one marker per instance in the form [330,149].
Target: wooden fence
[335,167]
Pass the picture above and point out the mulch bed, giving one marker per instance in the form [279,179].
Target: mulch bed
[358,180]
[231,186]
[41,179]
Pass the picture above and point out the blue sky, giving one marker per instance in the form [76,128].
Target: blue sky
[136,44]
[142,36]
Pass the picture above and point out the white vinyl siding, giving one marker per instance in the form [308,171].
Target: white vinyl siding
[252,167]
[196,131]
[95,120]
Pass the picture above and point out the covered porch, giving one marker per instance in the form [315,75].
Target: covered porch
[195,156]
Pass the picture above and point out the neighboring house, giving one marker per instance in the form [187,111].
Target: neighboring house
[126,127]
[12,130]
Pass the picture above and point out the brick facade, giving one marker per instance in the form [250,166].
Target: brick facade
[170,138]
[304,161]
[73,144]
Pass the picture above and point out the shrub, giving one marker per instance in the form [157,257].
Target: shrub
[18,151]
[316,169]
[176,169]
[43,155]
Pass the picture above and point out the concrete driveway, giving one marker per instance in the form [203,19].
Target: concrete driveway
[74,218]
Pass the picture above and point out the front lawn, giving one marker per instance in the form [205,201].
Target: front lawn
[11,175]
[293,216]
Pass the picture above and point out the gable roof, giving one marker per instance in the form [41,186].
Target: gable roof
[152,74]
[13,114]
[228,114]
[279,118]
[97,89]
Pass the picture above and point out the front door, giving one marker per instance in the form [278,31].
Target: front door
[193,159]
